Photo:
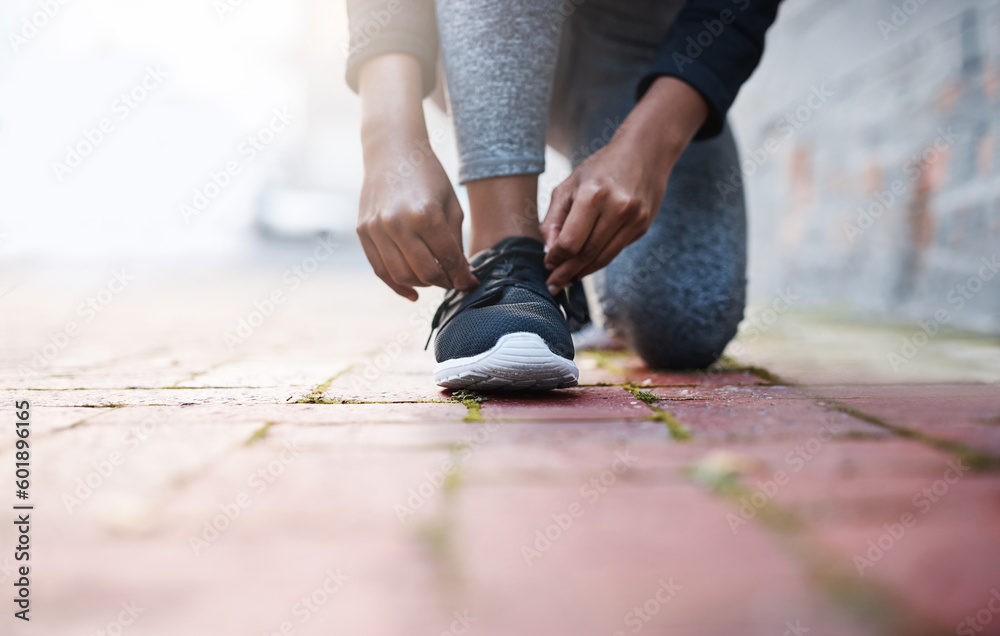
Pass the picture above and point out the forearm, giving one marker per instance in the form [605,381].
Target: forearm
[392,115]
[665,121]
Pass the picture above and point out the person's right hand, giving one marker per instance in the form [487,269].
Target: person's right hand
[411,226]
[410,221]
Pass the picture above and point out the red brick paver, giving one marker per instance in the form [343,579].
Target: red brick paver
[313,479]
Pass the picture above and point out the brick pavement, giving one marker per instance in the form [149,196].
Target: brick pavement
[312,480]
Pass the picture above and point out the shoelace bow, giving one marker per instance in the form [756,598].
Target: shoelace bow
[496,272]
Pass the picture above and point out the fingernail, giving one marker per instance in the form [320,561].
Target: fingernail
[549,266]
[553,290]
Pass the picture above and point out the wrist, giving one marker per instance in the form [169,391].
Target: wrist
[666,119]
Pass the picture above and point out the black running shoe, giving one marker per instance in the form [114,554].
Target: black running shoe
[508,333]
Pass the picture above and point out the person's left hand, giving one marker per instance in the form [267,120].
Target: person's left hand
[611,199]
[608,202]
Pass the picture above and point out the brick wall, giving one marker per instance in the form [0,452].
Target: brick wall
[869,136]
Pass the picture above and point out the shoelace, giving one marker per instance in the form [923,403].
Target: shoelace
[498,271]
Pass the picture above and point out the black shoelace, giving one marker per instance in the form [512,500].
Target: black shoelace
[499,271]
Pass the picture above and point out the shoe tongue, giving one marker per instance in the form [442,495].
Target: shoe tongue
[512,242]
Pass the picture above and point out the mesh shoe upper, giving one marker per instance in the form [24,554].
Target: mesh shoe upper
[511,297]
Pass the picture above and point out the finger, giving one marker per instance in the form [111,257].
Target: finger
[608,229]
[451,260]
[562,199]
[446,246]
[409,234]
[395,263]
[621,240]
[381,271]
[422,262]
[580,221]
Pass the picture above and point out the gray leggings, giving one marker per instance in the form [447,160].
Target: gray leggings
[523,72]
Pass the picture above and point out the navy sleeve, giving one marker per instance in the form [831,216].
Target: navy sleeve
[378,27]
[714,46]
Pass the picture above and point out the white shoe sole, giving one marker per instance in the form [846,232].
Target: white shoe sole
[517,362]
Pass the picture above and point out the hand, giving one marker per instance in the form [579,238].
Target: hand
[410,226]
[611,199]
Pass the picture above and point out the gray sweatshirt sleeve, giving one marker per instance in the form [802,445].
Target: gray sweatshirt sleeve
[378,27]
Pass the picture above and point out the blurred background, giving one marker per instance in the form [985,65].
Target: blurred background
[220,133]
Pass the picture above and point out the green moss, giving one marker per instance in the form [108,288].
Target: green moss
[726,363]
[677,430]
[317,396]
[974,459]
[865,599]
[259,434]
[641,394]
[472,402]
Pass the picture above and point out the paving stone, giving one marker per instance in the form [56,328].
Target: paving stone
[752,413]
[299,414]
[368,384]
[475,434]
[113,477]
[848,491]
[631,369]
[811,348]
[373,489]
[48,419]
[584,403]
[150,397]
[280,371]
[671,537]
[969,414]
[88,582]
